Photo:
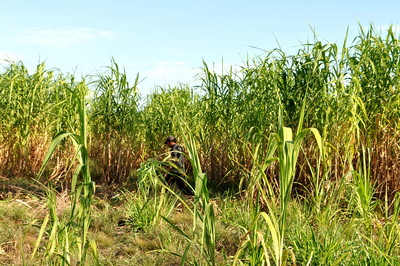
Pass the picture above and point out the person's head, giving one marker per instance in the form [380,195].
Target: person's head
[170,141]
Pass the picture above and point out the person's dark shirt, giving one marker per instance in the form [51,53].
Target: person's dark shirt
[177,158]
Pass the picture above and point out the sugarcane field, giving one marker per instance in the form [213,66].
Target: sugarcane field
[292,158]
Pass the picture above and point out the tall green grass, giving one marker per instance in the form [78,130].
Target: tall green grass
[351,96]
[71,232]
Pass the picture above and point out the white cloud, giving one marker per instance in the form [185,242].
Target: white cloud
[172,72]
[224,68]
[8,57]
[62,38]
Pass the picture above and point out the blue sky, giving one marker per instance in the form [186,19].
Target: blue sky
[166,41]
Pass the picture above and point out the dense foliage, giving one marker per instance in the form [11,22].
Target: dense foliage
[351,95]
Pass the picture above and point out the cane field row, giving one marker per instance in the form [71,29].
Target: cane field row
[292,159]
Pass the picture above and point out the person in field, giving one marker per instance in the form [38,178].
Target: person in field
[175,174]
